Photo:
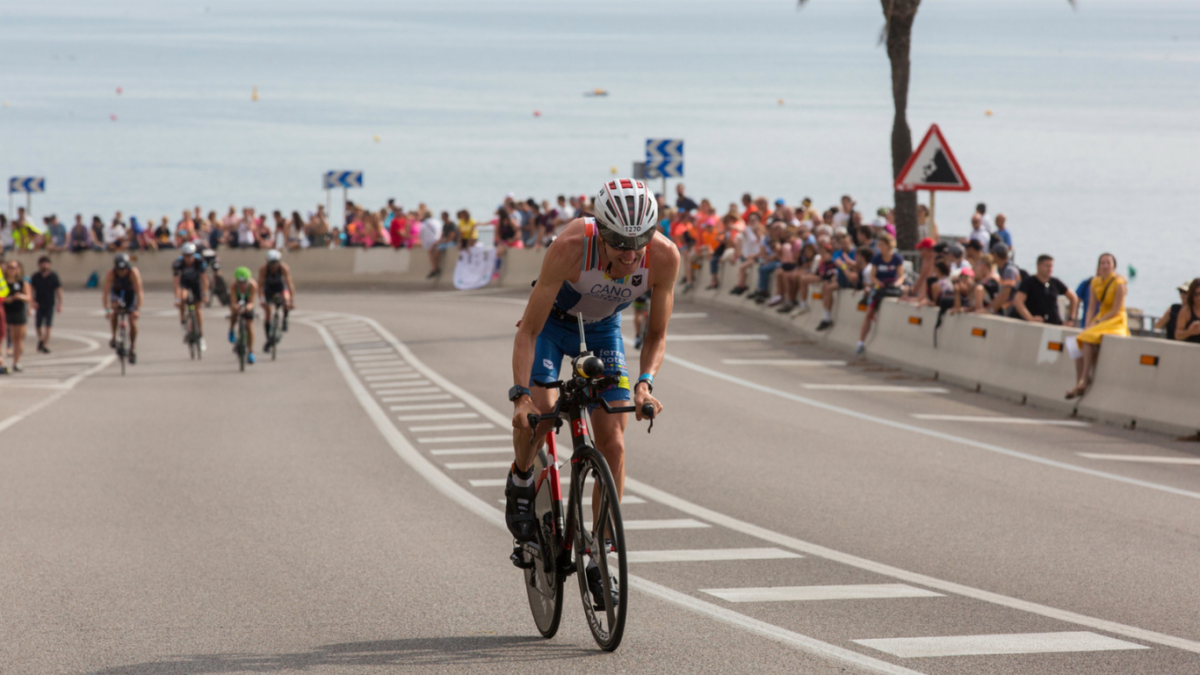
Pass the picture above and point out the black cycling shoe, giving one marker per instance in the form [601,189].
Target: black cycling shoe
[824,325]
[518,511]
[284,323]
[132,358]
[596,588]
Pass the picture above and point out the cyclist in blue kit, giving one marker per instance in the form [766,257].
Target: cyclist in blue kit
[594,269]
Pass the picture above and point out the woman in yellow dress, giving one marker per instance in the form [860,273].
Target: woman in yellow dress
[1105,316]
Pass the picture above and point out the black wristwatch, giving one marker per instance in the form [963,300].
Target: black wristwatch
[517,391]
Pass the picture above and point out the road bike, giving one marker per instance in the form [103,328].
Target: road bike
[122,339]
[191,332]
[565,548]
[242,345]
[275,330]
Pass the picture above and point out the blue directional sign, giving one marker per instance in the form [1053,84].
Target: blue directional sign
[343,179]
[664,158]
[26,184]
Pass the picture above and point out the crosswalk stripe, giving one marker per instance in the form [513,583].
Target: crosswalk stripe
[367,351]
[895,388]
[465,439]
[438,416]
[473,451]
[393,380]
[462,466]
[995,419]
[663,523]
[796,593]
[405,399]
[1010,643]
[407,383]
[375,358]
[709,554]
[782,362]
[734,337]
[453,427]
[384,369]
[391,377]
[1150,459]
[425,406]
[415,390]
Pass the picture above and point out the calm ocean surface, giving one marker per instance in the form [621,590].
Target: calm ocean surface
[1093,144]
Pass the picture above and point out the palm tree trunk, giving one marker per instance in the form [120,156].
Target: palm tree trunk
[899,15]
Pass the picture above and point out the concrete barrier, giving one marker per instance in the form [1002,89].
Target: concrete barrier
[311,268]
[1146,383]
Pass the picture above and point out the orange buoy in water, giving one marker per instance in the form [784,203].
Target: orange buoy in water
[254,94]
[113,117]
[537,113]
[987,112]
[118,91]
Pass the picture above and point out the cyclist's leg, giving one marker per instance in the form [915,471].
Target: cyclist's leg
[250,332]
[133,327]
[547,359]
[268,308]
[112,320]
[199,314]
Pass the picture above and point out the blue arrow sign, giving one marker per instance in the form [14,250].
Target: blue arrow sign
[26,184]
[343,179]
[664,157]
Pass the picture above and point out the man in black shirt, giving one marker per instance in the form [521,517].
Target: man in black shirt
[47,298]
[1037,296]
[683,202]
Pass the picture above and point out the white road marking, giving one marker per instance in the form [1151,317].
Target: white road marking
[708,554]
[390,377]
[375,359]
[587,501]
[414,390]
[368,351]
[465,439]
[563,479]
[894,388]
[466,466]
[922,431]
[1014,643]
[438,416]
[392,380]
[689,315]
[664,523]
[473,451]
[782,362]
[398,368]
[405,399]
[454,427]
[805,593]
[733,337]
[1149,459]
[424,406]
[456,492]
[63,390]
[989,419]
[412,383]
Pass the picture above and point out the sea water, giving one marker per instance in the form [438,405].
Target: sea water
[1091,144]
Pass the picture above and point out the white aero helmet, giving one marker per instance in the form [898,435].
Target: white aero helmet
[274,255]
[626,213]
[188,249]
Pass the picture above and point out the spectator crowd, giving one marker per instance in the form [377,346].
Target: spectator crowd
[777,252]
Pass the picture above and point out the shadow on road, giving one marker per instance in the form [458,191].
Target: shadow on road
[473,649]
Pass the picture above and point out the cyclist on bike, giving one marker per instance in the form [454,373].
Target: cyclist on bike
[190,277]
[594,269]
[275,278]
[123,287]
[243,289]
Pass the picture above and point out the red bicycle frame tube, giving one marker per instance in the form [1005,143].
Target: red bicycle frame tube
[552,470]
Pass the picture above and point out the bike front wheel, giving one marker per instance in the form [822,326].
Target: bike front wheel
[600,544]
[543,582]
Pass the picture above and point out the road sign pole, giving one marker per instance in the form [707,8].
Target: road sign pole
[932,193]
[666,199]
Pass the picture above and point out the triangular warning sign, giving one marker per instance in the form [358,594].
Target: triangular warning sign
[932,167]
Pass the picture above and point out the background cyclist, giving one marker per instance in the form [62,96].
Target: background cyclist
[123,287]
[190,276]
[244,289]
[594,269]
[275,278]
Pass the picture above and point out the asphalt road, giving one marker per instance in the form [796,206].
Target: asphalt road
[187,518]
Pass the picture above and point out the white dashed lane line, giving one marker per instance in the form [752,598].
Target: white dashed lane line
[1014,643]
[1149,459]
[782,362]
[451,397]
[885,388]
[991,419]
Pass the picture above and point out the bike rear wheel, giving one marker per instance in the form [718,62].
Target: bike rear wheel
[241,344]
[122,350]
[193,343]
[604,543]
[543,583]
[275,331]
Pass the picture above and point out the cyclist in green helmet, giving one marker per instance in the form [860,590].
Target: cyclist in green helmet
[244,288]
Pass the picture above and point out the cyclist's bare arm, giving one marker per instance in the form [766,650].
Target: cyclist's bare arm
[287,282]
[137,289]
[561,263]
[108,282]
[664,270]
[262,281]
